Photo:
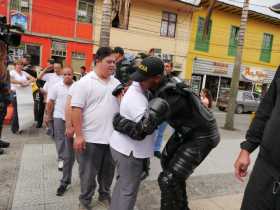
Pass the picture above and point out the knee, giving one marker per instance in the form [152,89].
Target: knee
[166,180]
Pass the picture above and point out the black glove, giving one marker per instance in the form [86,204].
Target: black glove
[117,91]
[156,113]
[146,169]
[158,110]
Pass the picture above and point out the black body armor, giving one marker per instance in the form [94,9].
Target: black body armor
[196,134]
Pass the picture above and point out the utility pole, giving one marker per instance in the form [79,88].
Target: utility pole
[229,122]
[106,24]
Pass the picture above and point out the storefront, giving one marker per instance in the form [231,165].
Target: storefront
[41,49]
[217,75]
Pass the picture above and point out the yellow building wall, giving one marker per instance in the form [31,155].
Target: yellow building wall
[219,42]
[144,30]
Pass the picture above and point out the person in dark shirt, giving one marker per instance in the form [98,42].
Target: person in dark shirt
[263,189]
[4,92]
[122,71]
[27,67]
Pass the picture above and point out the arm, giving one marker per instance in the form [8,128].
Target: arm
[68,120]
[255,133]
[157,112]
[43,72]
[16,82]
[3,55]
[79,143]
[50,108]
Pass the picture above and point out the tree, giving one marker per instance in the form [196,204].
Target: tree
[105,24]
[229,122]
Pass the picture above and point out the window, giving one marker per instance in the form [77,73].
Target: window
[168,24]
[58,49]
[20,5]
[120,15]
[233,41]
[35,52]
[202,44]
[266,48]
[85,11]
[30,49]
[248,96]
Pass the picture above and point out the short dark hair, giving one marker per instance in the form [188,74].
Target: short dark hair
[83,67]
[118,50]
[102,53]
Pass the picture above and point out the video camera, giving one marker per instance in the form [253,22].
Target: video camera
[11,35]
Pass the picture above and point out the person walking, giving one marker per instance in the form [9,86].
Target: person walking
[93,108]
[56,112]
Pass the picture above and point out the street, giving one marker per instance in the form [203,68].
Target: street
[29,174]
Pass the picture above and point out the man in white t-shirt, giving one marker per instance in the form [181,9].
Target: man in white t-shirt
[56,111]
[131,156]
[93,108]
[50,80]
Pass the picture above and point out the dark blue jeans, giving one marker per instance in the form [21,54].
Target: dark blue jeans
[15,125]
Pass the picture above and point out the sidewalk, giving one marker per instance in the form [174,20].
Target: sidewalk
[211,187]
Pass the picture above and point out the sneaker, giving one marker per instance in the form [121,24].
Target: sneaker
[4,144]
[61,190]
[157,154]
[60,165]
[1,151]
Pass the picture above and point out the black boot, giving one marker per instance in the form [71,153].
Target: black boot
[1,151]
[4,144]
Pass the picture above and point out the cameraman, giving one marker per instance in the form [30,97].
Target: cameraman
[4,92]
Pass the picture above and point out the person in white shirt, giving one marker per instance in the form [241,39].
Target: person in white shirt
[93,109]
[56,111]
[131,156]
[50,80]
[19,79]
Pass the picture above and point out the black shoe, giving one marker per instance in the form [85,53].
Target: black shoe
[1,151]
[61,190]
[4,144]
[157,154]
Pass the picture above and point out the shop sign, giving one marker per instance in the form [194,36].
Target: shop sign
[19,19]
[220,68]
[254,75]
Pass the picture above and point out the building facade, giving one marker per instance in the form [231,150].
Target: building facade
[62,30]
[160,24]
[210,61]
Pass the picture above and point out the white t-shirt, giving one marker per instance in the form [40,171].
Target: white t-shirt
[133,106]
[23,77]
[59,94]
[51,79]
[94,96]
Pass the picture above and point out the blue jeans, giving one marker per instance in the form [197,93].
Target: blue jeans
[159,136]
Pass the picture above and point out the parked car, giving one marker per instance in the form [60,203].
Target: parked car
[247,101]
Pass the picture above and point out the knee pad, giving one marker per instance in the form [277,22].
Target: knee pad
[165,180]
[186,160]
[170,149]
